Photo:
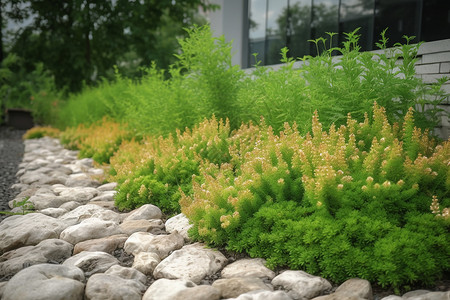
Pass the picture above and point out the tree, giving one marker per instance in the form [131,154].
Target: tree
[81,40]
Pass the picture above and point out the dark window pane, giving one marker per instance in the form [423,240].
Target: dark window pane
[401,17]
[435,20]
[277,15]
[257,29]
[354,14]
[299,27]
[325,18]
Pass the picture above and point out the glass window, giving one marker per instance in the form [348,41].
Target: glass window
[435,20]
[325,18]
[354,14]
[276,31]
[401,17]
[257,30]
[298,28]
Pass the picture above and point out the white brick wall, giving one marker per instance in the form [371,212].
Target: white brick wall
[434,63]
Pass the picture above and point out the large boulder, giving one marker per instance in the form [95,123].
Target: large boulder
[51,250]
[301,285]
[249,267]
[44,282]
[107,244]
[148,242]
[179,223]
[91,262]
[31,229]
[111,287]
[145,212]
[90,229]
[192,262]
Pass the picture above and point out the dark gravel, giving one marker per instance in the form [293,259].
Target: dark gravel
[11,153]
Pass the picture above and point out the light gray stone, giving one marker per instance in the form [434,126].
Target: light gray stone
[127,273]
[264,295]
[91,262]
[71,205]
[233,287]
[107,244]
[192,262]
[110,287]
[200,292]
[146,262]
[392,297]
[166,289]
[301,285]
[44,282]
[30,229]
[426,295]
[43,201]
[87,211]
[179,223]
[90,229]
[249,267]
[53,212]
[107,187]
[148,242]
[355,287]
[145,212]
[2,288]
[86,183]
[104,204]
[79,194]
[155,226]
[104,196]
[51,250]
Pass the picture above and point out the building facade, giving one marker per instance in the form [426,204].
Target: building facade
[266,26]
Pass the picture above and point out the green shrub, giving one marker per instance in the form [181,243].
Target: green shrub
[167,162]
[340,203]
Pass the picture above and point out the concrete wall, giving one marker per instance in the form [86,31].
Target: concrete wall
[229,21]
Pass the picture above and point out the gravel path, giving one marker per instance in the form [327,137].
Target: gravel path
[11,153]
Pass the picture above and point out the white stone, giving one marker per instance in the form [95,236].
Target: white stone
[53,212]
[46,281]
[233,287]
[91,210]
[192,262]
[179,223]
[31,229]
[43,201]
[104,196]
[148,242]
[89,229]
[145,212]
[107,187]
[249,267]
[110,287]
[146,262]
[127,273]
[264,295]
[199,292]
[301,285]
[426,295]
[79,194]
[155,226]
[51,250]
[166,289]
[71,205]
[91,262]
[107,244]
